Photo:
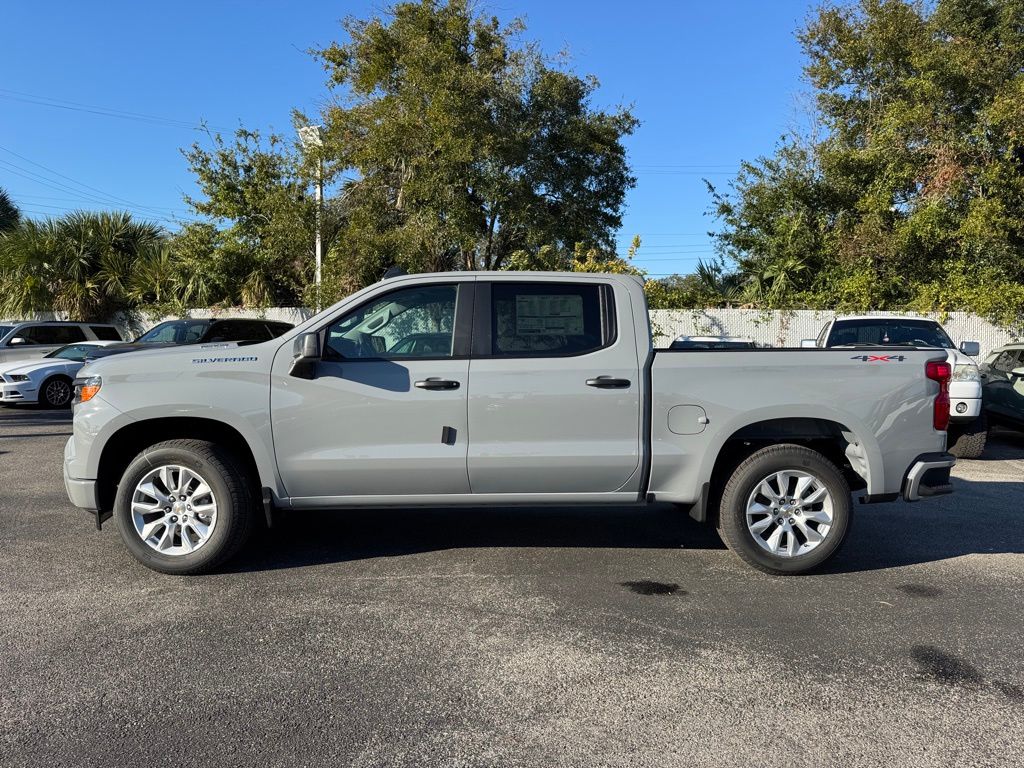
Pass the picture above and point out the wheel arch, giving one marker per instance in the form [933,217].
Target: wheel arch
[131,439]
[41,396]
[833,439]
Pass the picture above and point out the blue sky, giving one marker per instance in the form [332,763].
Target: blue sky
[712,83]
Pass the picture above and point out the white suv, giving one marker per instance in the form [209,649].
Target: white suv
[28,340]
[968,428]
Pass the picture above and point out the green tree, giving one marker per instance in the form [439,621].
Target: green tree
[256,246]
[9,213]
[917,182]
[456,146]
[83,264]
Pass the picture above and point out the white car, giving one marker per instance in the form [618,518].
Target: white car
[45,380]
[968,428]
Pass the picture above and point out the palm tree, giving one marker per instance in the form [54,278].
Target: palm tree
[9,213]
[720,286]
[81,264]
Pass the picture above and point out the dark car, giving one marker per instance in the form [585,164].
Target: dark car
[174,333]
[712,342]
[1002,381]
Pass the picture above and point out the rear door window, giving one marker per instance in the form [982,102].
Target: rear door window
[548,319]
[53,334]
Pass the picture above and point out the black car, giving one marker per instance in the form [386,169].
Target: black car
[175,333]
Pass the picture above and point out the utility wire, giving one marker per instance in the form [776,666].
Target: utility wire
[74,106]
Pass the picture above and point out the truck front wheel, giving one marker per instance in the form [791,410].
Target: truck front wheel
[785,509]
[184,506]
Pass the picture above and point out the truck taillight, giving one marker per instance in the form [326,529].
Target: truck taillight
[940,372]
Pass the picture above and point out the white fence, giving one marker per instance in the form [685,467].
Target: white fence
[785,328]
[776,328]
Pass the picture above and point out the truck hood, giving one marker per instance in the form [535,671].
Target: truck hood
[184,357]
[25,367]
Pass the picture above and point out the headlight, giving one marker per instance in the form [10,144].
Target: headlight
[965,372]
[19,377]
[86,389]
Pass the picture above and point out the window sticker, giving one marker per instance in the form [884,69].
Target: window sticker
[538,314]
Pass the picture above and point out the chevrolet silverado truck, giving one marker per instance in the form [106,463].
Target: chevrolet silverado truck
[501,388]
[968,426]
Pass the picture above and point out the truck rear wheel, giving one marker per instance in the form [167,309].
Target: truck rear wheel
[184,506]
[967,441]
[785,509]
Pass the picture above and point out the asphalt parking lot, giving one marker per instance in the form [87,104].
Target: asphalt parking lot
[511,637]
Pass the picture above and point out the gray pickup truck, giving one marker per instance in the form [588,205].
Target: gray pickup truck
[501,388]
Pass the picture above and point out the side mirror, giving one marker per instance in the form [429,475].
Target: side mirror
[305,355]
[971,348]
[16,341]
[808,343]
[1018,372]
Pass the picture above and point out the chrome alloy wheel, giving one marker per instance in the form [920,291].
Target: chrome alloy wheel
[174,510]
[58,392]
[790,513]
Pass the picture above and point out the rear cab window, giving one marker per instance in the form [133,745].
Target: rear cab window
[886,332]
[237,330]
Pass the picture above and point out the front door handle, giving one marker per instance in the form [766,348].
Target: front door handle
[436,383]
[608,382]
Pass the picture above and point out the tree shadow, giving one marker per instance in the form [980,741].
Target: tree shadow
[979,518]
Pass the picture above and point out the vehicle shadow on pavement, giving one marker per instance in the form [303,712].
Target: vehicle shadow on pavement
[317,537]
[1003,444]
[981,517]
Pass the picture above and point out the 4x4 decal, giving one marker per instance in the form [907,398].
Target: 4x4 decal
[879,358]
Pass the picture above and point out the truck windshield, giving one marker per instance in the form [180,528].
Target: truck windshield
[175,332]
[888,332]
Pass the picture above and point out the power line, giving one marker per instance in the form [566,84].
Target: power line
[20,196]
[68,178]
[74,106]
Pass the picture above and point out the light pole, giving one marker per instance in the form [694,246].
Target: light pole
[312,141]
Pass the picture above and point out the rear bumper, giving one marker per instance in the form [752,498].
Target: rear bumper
[928,476]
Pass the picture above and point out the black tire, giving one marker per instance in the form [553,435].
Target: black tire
[732,520]
[967,441]
[56,392]
[231,486]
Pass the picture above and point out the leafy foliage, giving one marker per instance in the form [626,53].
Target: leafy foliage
[260,187]
[89,265]
[456,147]
[9,213]
[914,195]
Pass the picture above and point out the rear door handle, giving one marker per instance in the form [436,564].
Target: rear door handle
[436,383]
[608,382]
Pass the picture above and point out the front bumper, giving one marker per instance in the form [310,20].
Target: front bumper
[81,492]
[928,476]
[964,409]
[18,393]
